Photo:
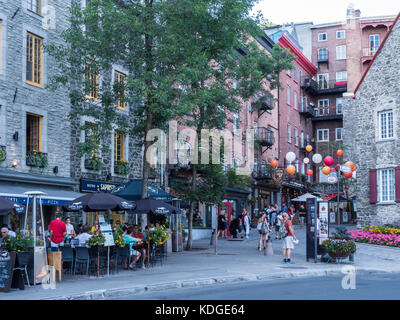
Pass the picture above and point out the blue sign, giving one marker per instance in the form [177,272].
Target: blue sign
[45,202]
[94,186]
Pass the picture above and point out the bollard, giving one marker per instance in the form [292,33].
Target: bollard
[269,250]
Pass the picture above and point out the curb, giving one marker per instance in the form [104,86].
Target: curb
[119,292]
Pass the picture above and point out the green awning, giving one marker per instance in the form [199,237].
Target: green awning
[133,191]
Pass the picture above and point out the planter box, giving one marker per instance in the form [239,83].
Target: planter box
[117,170]
[89,165]
[31,162]
[2,158]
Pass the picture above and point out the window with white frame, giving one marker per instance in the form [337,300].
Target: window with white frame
[302,139]
[374,42]
[303,171]
[255,126]
[295,101]
[338,134]
[339,105]
[296,136]
[323,135]
[289,133]
[296,164]
[236,122]
[386,185]
[288,95]
[385,124]
[341,34]
[288,72]
[322,54]
[294,73]
[341,76]
[323,80]
[323,107]
[322,36]
[301,76]
[340,52]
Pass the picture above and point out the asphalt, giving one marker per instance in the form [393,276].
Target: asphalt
[235,261]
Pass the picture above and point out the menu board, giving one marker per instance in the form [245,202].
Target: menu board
[323,224]
[106,231]
[7,262]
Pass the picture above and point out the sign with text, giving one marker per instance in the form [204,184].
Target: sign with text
[311,205]
[94,186]
[323,218]
[106,231]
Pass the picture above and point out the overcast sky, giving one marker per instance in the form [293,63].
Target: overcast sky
[320,11]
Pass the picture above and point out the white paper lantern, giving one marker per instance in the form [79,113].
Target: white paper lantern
[306,160]
[317,158]
[290,156]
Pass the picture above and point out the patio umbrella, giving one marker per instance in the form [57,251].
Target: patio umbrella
[304,197]
[155,206]
[99,201]
[6,206]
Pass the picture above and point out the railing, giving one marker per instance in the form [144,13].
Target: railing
[321,85]
[332,84]
[266,102]
[262,173]
[323,57]
[369,51]
[307,110]
[265,136]
[326,111]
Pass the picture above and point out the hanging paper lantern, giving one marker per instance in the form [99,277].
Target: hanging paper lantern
[326,170]
[339,152]
[308,148]
[337,166]
[310,172]
[306,160]
[290,156]
[349,164]
[274,163]
[328,161]
[333,169]
[354,169]
[291,170]
[348,175]
[317,158]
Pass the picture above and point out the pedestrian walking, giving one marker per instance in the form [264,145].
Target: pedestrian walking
[288,239]
[222,224]
[278,225]
[263,229]
[58,231]
[234,227]
[246,223]
[302,214]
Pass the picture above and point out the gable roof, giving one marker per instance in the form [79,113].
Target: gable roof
[376,54]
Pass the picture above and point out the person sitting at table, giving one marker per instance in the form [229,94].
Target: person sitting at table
[4,236]
[96,229]
[84,236]
[140,247]
[131,241]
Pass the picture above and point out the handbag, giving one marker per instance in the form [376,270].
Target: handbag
[264,228]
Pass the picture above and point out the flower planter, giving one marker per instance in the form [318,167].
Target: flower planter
[339,254]
[93,164]
[121,168]
[3,153]
[25,258]
[37,159]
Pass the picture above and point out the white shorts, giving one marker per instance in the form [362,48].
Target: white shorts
[134,253]
[288,243]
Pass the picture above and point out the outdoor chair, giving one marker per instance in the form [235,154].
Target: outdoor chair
[82,257]
[122,253]
[23,261]
[68,256]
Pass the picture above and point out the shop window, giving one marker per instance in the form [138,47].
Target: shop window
[33,133]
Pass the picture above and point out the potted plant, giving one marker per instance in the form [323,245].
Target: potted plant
[3,153]
[96,240]
[22,245]
[93,163]
[37,159]
[339,248]
[119,238]
[158,235]
[122,168]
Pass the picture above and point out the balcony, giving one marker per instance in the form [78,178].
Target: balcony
[369,52]
[265,137]
[322,57]
[307,143]
[327,113]
[262,173]
[323,87]
[307,110]
[263,104]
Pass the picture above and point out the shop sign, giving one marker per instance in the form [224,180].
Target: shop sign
[95,186]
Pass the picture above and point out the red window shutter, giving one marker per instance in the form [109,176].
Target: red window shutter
[397,183]
[373,193]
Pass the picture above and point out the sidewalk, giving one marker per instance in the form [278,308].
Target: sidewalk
[236,261]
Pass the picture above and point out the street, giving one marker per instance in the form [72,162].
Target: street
[368,287]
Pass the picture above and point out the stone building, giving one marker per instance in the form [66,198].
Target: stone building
[372,131]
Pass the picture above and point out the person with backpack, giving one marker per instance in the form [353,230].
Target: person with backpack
[263,229]
[288,238]
[246,223]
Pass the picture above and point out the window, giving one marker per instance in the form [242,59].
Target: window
[33,133]
[323,135]
[340,52]
[289,133]
[341,76]
[323,107]
[341,34]
[296,136]
[288,95]
[303,171]
[301,76]
[119,139]
[339,105]
[288,72]
[1,47]
[34,60]
[295,100]
[322,36]
[91,80]
[386,185]
[338,134]
[322,54]
[35,6]
[295,73]
[302,139]
[386,124]
[119,88]
[255,126]
[296,164]
[90,138]
[374,42]
[236,122]
[323,80]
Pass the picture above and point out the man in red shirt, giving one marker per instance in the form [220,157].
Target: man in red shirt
[288,240]
[58,231]
[137,234]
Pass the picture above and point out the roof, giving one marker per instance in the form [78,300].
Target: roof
[377,53]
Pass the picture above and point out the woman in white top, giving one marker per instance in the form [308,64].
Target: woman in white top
[263,228]
[70,228]
[84,236]
[246,222]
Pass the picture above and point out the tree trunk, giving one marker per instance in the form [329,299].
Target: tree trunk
[190,217]
[145,218]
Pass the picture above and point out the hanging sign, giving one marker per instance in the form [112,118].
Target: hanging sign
[345,169]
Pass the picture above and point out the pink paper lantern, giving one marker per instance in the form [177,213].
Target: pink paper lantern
[329,161]
[333,169]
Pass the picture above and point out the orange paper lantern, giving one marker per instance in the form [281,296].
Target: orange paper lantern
[349,164]
[348,175]
[274,163]
[326,170]
[354,169]
[291,170]
[339,152]
[310,172]
[309,148]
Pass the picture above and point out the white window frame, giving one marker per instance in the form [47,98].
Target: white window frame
[294,73]
[320,34]
[338,32]
[387,131]
[323,76]
[386,185]
[296,136]
[374,48]
[340,74]
[289,133]
[288,95]
[323,108]
[322,49]
[325,132]
[236,121]
[302,139]
[337,130]
[295,101]
[341,52]
[339,102]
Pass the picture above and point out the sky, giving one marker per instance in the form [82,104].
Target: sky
[321,11]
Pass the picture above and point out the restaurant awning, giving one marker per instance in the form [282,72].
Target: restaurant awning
[133,191]
[52,197]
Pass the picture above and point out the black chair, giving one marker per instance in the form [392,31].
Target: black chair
[123,252]
[81,257]
[68,256]
[24,258]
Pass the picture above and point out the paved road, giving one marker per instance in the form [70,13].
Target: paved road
[367,287]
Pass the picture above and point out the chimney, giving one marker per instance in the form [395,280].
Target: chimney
[357,13]
[350,11]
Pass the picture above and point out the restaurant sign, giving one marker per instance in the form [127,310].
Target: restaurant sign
[95,186]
